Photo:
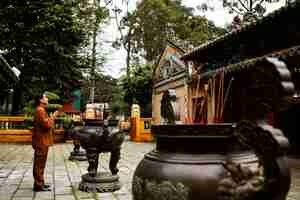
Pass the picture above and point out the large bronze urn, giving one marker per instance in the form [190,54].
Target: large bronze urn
[244,160]
[192,162]
[98,137]
[188,162]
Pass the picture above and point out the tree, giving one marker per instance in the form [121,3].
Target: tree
[144,34]
[138,88]
[155,21]
[249,10]
[92,14]
[125,39]
[105,85]
[41,38]
[108,90]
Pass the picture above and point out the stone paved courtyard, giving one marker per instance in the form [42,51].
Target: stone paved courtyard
[16,173]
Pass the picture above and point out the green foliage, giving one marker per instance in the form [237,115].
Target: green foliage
[109,90]
[28,122]
[29,107]
[243,7]
[91,15]
[53,107]
[249,10]
[51,95]
[63,118]
[102,14]
[66,121]
[118,105]
[105,86]
[115,109]
[138,87]
[41,38]
[85,11]
[147,30]
[155,21]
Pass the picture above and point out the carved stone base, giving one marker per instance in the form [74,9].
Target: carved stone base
[80,156]
[103,182]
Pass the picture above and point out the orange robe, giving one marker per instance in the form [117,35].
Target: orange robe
[41,140]
[41,135]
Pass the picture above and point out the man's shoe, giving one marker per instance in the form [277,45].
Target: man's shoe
[41,189]
[47,186]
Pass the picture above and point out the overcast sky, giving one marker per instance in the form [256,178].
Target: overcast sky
[116,59]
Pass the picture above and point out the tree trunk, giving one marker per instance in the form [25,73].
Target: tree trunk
[93,69]
[17,98]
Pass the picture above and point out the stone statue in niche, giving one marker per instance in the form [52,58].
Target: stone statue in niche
[166,108]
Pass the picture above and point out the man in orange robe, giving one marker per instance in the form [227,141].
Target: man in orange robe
[41,140]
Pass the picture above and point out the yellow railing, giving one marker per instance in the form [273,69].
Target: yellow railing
[17,129]
[12,122]
[21,122]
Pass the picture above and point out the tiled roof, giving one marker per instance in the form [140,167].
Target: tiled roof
[282,55]
[272,17]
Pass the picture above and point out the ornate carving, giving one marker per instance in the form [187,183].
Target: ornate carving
[79,155]
[101,139]
[93,159]
[240,182]
[264,139]
[269,144]
[137,188]
[266,89]
[76,154]
[98,138]
[145,189]
[170,64]
[101,182]
[99,187]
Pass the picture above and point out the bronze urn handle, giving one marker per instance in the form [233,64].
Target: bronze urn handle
[270,79]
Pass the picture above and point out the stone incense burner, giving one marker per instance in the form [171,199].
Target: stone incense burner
[76,154]
[99,137]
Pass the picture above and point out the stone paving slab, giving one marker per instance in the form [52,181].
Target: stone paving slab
[16,173]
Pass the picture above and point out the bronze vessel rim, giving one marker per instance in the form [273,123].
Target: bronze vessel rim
[219,130]
[195,125]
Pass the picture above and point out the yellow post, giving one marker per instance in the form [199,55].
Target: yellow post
[139,132]
[134,130]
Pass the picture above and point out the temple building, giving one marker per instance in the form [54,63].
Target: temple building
[170,75]
[214,87]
